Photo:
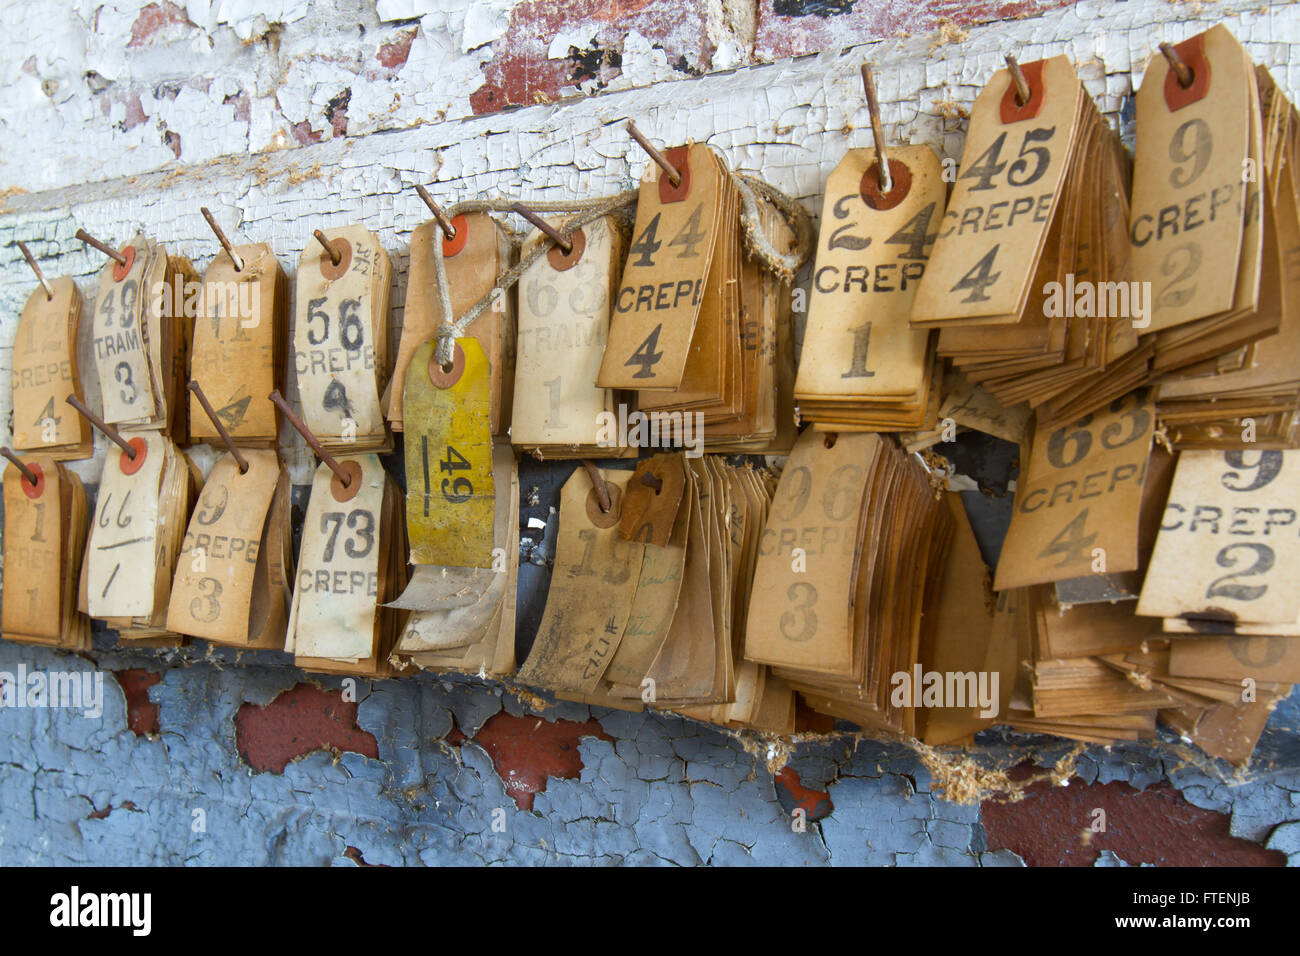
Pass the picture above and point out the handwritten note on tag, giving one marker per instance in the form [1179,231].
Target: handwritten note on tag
[449,482]
[122,551]
[340,339]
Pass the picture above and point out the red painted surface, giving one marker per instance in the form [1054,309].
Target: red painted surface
[527,750]
[153,19]
[393,54]
[795,27]
[521,73]
[141,712]
[1052,827]
[301,720]
[815,804]
[353,854]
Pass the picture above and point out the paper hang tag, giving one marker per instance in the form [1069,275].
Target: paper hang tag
[340,339]
[238,351]
[481,251]
[1188,185]
[564,306]
[34,539]
[448,442]
[1078,500]
[797,610]
[124,536]
[1228,543]
[592,587]
[212,591]
[119,341]
[871,257]
[45,373]
[653,499]
[662,286]
[1012,172]
[340,563]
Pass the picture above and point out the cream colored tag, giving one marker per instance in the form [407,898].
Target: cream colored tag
[339,564]
[33,551]
[340,339]
[45,374]
[239,344]
[213,587]
[1187,211]
[122,550]
[120,349]
[662,287]
[1078,499]
[1004,199]
[1230,540]
[564,305]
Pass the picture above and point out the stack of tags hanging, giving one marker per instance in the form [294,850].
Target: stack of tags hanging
[863,366]
[352,560]
[648,601]
[1246,396]
[1222,565]
[564,313]
[462,518]
[480,251]
[239,345]
[141,334]
[1198,218]
[141,510]
[44,535]
[697,326]
[462,619]
[340,340]
[849,571]
[1034,229]
[45,373]
[236,560]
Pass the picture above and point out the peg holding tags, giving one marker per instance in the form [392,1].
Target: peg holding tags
[439,216]
[877,129]
[31,477]
[103,247]
[221,238]
[111,432]
[292,417]
[221,429]
[674,176]
[545,227]
[334,254]
[40,276]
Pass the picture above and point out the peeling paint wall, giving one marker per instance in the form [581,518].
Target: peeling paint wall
[288,116]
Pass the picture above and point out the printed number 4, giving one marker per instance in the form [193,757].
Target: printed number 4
[646,356]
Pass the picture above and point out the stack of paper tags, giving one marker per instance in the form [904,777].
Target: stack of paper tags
[1247,396]
[848,577]
[647,599]
[863,366]
[565,300]
[141,339]
[233,574]
[46,372]
[966,407]
[696,326]
[1037,215]
[1198,221]
[462,619]
[44,536]
[351,562]
[141,510]
[479,252]
[239,346]
[340,340]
